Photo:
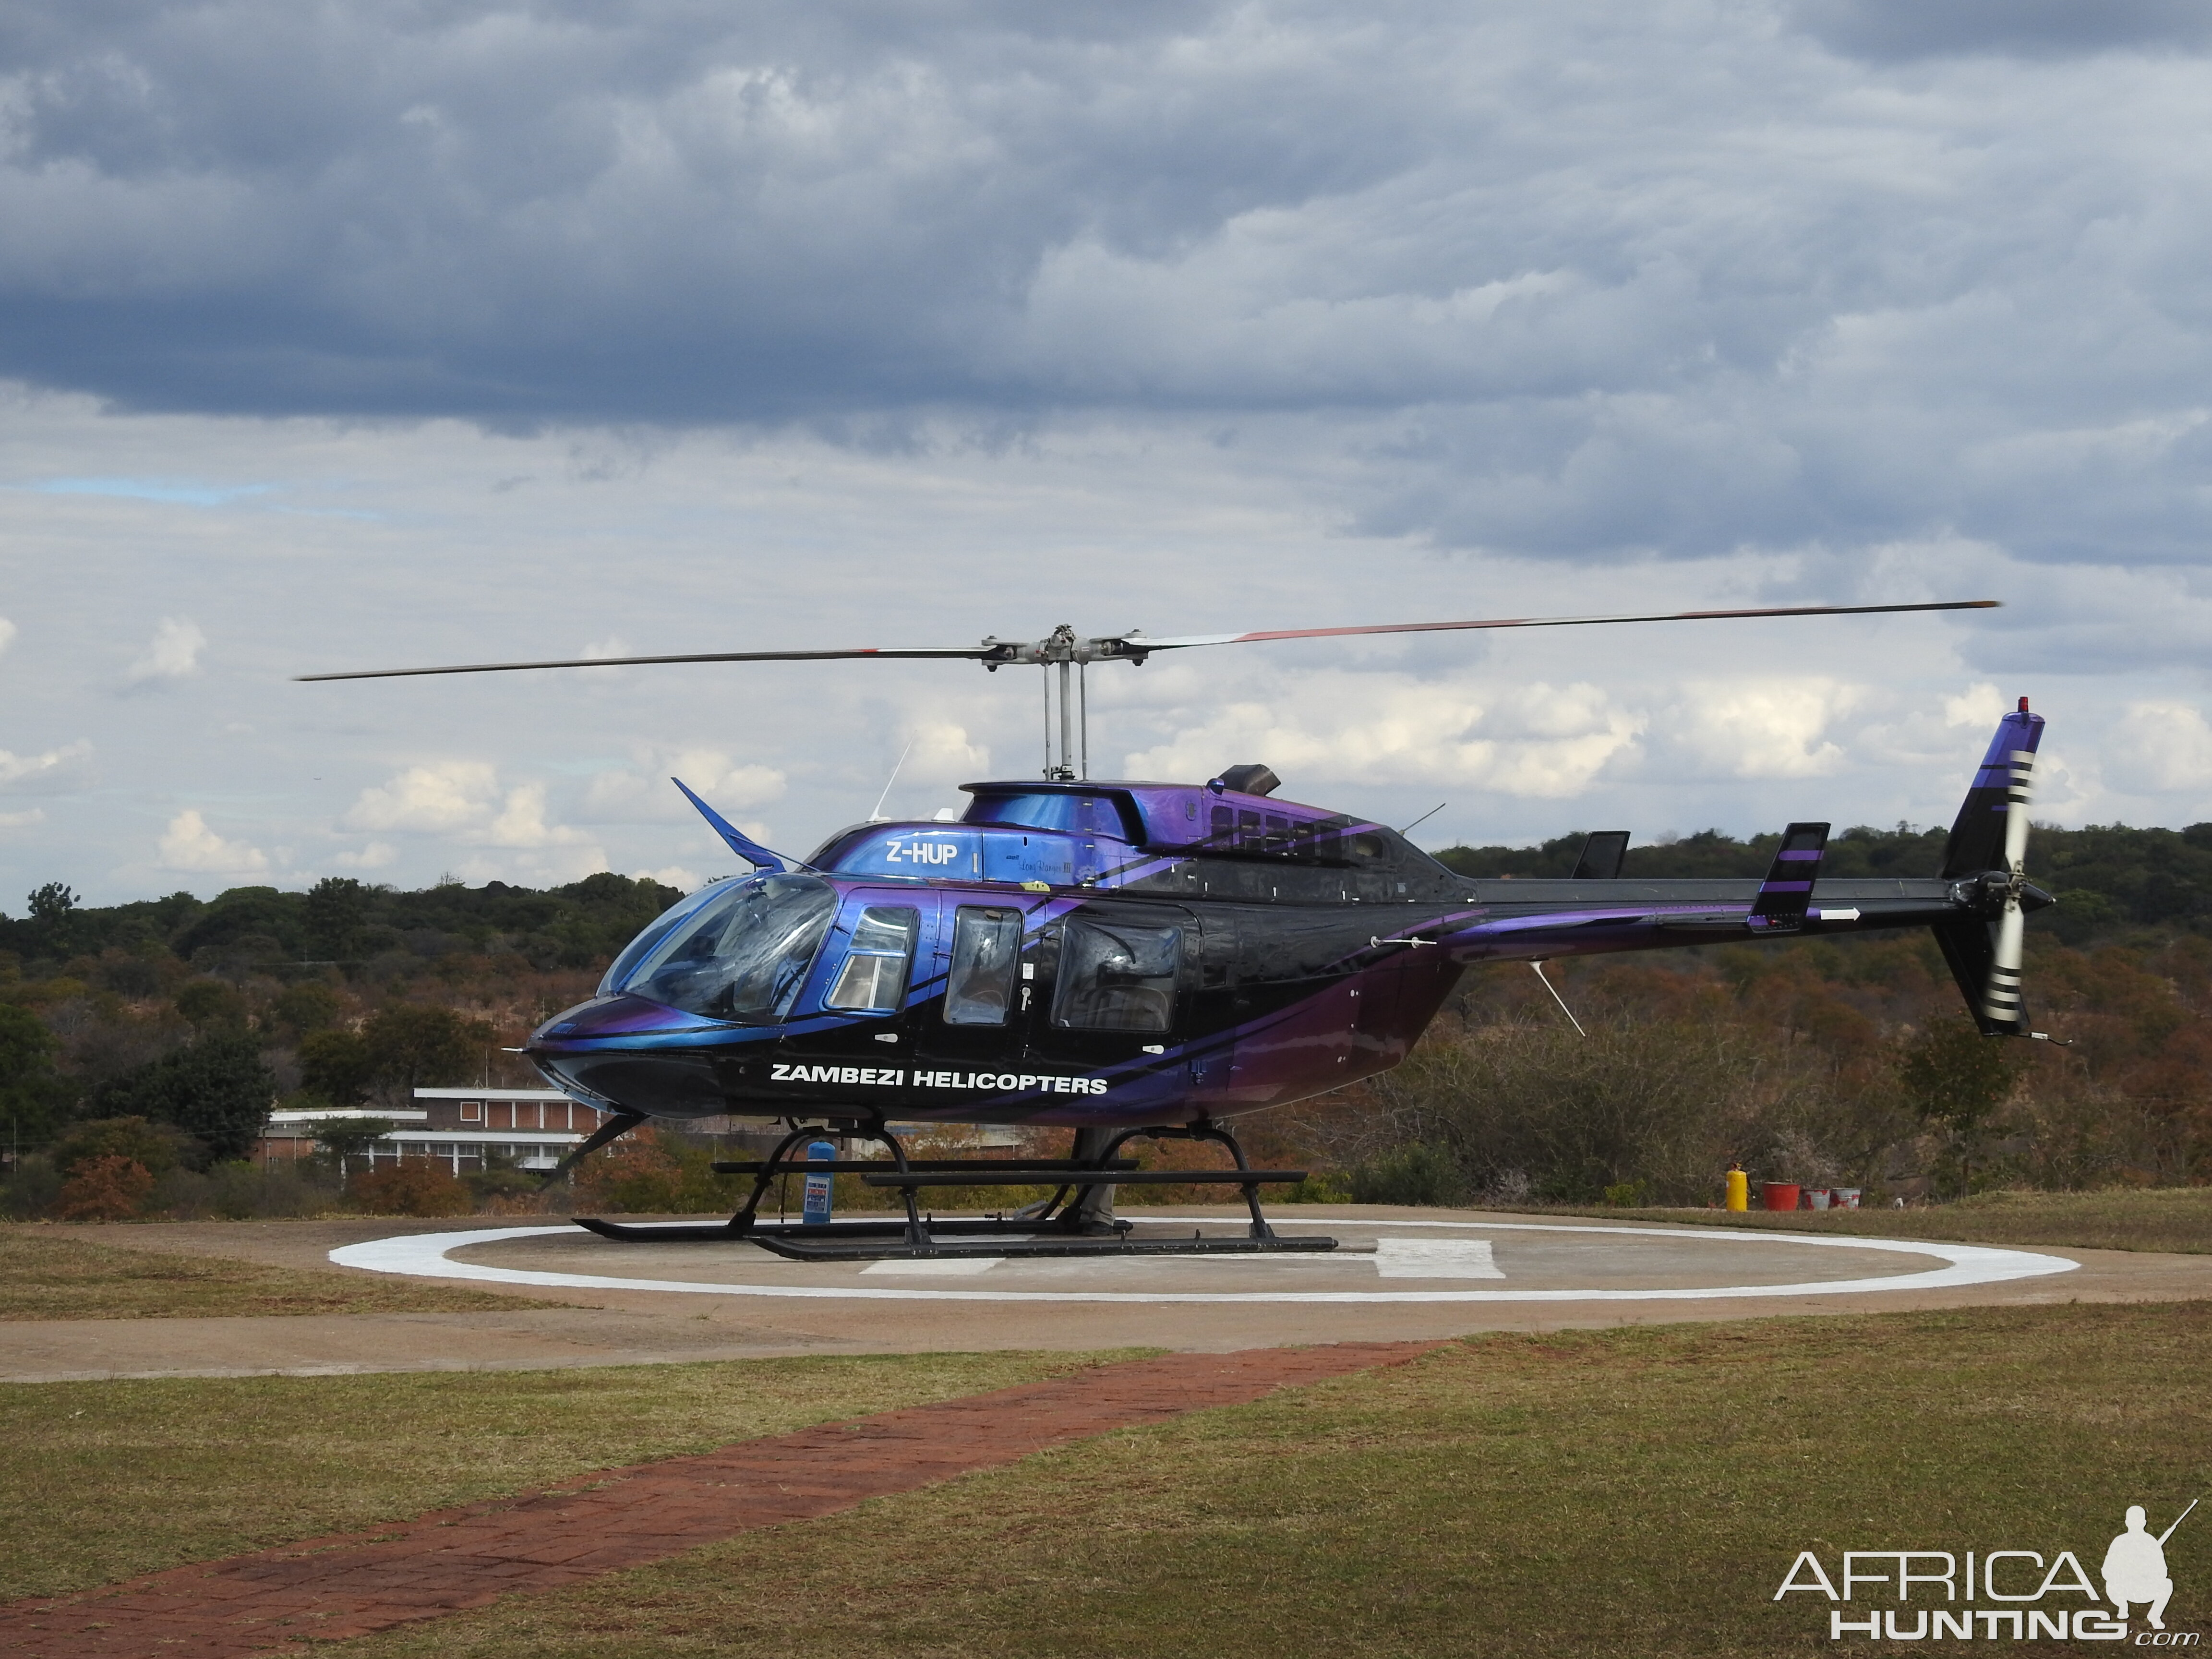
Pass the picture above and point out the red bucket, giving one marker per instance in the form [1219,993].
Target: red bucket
[1779,1194]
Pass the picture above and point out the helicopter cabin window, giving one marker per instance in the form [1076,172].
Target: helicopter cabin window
[873,980]
[1225,826]
[1117,977]
[742,955]
[985,949]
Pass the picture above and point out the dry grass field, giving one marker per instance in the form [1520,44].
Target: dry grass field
[42,1277]
[102,1480]
[1631,1492]
[2170,1219]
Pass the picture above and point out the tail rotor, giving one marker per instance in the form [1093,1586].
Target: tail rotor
[1986,859]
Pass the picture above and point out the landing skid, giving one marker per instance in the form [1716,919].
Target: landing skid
[1053,1229]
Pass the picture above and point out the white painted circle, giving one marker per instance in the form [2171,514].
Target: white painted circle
[428,1255]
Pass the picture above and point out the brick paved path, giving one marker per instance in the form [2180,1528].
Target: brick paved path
[437,1564]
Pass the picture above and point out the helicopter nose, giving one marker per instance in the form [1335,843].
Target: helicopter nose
[591,1023]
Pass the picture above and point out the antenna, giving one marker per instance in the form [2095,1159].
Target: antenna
[1425,818]
[877,817]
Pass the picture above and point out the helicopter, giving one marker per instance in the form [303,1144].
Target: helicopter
[1133,959]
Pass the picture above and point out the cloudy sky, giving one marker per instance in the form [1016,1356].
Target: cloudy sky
[362,335]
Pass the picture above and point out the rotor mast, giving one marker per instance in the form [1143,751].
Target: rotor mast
[1066,659]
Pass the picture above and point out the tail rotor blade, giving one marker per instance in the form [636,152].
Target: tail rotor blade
[2016,798]
[2000,1002]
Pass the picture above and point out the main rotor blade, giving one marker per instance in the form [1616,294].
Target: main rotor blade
[972,651]
[1140,643]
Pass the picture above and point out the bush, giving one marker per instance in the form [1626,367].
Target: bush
[105,1188]
[1661,1108]
[414,1186]
[30,1189]
[157,1147]
[241,1191]
[1416,1174]
[651,1173]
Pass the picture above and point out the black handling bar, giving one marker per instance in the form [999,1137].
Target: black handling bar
[1048,1177]
[1034,1172]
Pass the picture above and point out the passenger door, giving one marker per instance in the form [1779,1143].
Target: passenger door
[1109,987]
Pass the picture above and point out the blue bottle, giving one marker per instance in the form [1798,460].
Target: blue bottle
[814,1211]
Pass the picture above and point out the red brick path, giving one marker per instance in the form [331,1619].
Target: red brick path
[437,1564]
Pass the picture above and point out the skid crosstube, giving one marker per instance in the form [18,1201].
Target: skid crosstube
[1053,1229]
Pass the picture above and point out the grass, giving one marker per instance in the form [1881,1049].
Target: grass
[47,1278]
[1635,1491]
[2170,1219]
[102,1480]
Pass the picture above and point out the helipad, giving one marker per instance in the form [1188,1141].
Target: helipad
[1402,1274]
[1381,1261]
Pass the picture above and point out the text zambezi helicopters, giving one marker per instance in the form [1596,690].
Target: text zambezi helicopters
[1150,959]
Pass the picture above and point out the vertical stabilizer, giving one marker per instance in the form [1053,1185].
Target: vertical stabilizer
[1994,811]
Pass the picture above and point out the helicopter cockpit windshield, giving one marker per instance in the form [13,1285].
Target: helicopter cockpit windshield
[740,957]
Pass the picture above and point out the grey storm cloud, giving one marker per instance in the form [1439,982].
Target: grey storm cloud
[1561,279]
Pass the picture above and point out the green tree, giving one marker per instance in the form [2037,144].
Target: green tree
[212,1005]
[338,910]
[335,1065]
[52,910]
[33,1096]
[344,1138]
[216,1089]
[412,1046]
[1955,1080]
[308,1006]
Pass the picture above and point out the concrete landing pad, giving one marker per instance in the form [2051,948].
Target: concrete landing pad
[1405,1274]
[1379,1261]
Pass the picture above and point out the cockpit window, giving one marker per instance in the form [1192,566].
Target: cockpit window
[874,976]
[740,957]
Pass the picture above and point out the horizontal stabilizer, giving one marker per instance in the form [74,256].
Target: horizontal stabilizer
[1788,888]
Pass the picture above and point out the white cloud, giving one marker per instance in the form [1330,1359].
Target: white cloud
[464,803]
[2159,747]
[55,769]
[22,820]
[189,844]
[172,654]
[444,796]
[646,795]
[1535,741]
[1981,705]
[1764,729]
[7,634]
[521,823]
[672,875]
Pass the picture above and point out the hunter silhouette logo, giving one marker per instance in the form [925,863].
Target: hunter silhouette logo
[2135,1566]
[2031,1594]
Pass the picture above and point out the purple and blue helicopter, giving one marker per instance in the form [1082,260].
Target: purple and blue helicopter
[1135,959]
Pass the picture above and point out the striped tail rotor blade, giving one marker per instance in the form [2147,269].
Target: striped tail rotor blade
[2001,1001]
[2016,798]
